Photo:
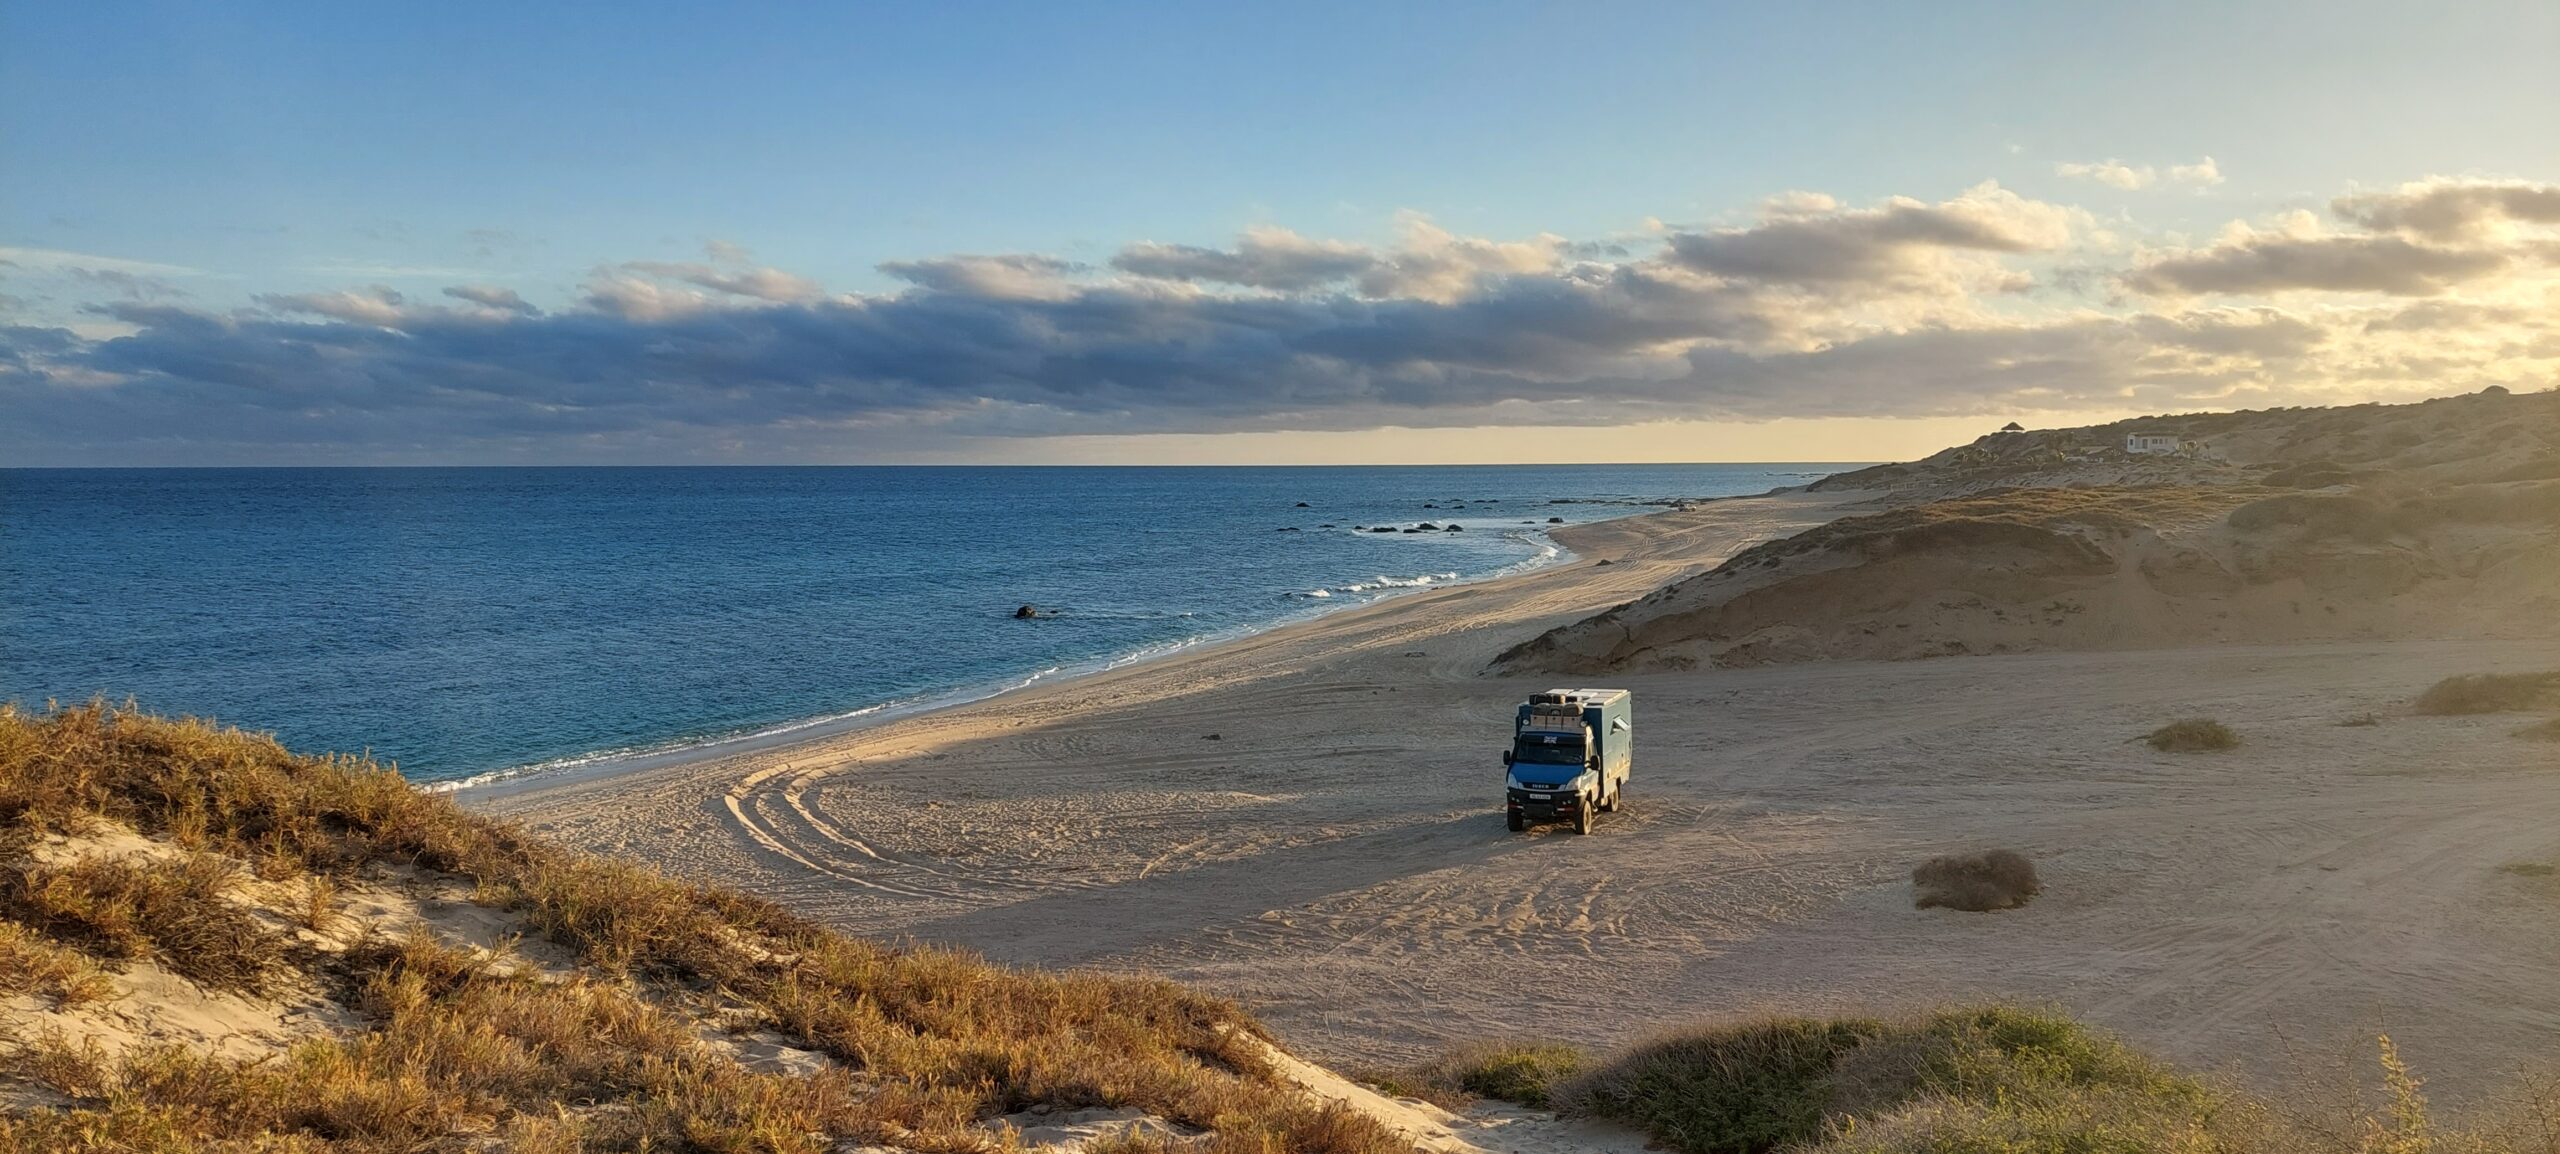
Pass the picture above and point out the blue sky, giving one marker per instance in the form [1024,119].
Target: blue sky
[238,155]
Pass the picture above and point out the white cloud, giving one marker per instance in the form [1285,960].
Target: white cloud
[2202,174]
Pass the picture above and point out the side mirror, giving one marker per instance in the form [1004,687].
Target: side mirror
[1506,757]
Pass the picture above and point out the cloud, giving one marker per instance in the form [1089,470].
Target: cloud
[130,285]
[1264,258]
[491,297]
[2202,174]
[2444,209]
[1902,307]
[63,261]
[765,284]
[1807,240]
[1011,277]
[2108,172]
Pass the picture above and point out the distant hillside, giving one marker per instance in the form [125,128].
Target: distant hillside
[2439,519]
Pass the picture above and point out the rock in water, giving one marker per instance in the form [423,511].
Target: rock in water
[1026,613]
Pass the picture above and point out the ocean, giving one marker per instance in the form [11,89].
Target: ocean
[468,623]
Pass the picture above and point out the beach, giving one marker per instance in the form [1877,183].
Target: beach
[1307,820]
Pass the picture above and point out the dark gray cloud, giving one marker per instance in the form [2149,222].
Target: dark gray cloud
[2450,210]
[1817,310]
[1264,258]
[1808,241]
[2263,264]
[489,296]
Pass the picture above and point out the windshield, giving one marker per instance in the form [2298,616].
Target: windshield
[1536,751]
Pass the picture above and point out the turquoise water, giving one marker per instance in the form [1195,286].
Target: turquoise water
[464,621]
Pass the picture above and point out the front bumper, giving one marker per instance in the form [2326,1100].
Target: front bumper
[1544,805]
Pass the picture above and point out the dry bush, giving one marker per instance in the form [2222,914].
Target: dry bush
[927,1044]
[31,964]
[2472,693]
[1522,1072]
[2194,735]
[2541,731]
[1800,1083]
[124,909]
[1996,879]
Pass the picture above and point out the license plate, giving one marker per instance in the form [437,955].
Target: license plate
[1541,797]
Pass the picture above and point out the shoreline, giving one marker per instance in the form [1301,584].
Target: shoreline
[507,781]
[524,782]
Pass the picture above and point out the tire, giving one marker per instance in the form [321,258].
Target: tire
[1516,824]
[1611,805]
[1582,816]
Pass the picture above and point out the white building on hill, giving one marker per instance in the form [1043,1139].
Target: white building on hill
[2150,443]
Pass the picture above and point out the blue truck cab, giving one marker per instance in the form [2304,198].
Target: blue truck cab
[1571,751]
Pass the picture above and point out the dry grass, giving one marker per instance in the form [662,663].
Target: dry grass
[2194,735]
[2360,721]
[124,909]
[926,1044]
[1995,879]
[32,964]
[2473,693]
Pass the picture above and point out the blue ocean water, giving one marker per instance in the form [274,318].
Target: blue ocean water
[464,621]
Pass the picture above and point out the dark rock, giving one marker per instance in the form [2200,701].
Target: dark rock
[1211,737]
[1606,561]
[1290,529]
[1304,505]
[1026,613]
[1555,520]
[1426,525]
[1457,528]
[1429,505]
[1385,529]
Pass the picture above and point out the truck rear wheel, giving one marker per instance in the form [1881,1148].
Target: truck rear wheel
[1582,816]
[1516,824]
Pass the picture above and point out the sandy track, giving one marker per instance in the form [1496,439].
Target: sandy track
[1335,858]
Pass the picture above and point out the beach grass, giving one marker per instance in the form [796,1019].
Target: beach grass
[924,1046]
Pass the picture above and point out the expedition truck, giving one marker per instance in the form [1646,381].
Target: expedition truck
[1571,750]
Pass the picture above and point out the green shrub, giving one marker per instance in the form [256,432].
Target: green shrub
[1991,1079]
[1996,879]
[2473,693]
[1522,1072]
[2195,735]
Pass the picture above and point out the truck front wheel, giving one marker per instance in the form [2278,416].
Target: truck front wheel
[1516,824]
[1582,815]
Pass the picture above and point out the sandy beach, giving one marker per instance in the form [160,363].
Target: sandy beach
[1307,820]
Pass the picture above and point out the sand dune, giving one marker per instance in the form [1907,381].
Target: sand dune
[2439,520]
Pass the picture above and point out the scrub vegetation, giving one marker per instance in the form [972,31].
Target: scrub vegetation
[1999,1080]
[1995,879]
[2195,735]
[2473,693]
[457,1047]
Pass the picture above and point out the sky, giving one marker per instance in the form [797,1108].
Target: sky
[471,233]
